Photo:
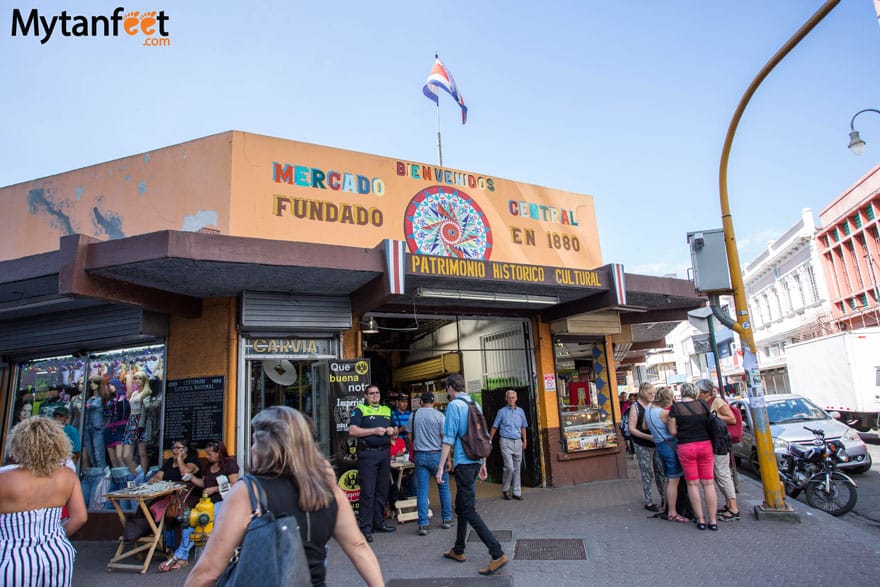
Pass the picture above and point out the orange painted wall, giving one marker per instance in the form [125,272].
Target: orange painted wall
[200,347]
[253,208]
[183,187]
[549,404]
[226,182]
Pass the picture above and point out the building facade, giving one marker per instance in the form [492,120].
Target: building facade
[239,271]
[788,299]
[849,247]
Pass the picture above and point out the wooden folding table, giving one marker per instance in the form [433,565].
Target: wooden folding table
[142,494]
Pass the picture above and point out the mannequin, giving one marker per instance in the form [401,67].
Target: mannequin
[138,387]
[93,428]
[117,411]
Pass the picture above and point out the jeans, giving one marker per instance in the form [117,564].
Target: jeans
[90,480]
[93,443]
[426,469]
[466,510]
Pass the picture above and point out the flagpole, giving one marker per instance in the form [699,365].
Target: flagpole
[439,144]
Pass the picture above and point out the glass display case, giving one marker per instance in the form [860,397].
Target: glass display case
[585,422]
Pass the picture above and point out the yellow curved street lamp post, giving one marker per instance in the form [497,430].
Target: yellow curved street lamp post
[774,496]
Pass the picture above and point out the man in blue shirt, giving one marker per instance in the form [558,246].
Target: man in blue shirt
[400,418]
[62,416]
[466,471]
[511,423]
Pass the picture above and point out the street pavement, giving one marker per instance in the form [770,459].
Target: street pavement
[622,545]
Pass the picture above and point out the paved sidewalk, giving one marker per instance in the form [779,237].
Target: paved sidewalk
[617,534]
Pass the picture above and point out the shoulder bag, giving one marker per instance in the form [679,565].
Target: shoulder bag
[271,552]
[718,432]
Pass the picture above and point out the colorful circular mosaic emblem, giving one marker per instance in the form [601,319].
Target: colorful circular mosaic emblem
[446,222]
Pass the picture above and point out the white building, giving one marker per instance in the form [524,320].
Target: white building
[787,298]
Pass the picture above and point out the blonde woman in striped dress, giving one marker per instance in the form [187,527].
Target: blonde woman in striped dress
[34,549]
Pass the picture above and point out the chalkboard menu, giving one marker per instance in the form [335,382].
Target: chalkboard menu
[194,409]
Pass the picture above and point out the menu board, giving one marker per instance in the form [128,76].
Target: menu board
[194,410]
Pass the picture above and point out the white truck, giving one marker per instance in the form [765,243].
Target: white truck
[840,372]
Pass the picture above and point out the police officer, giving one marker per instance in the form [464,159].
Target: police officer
[371,425]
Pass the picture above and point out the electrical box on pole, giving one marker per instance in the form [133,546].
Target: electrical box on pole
[709,261]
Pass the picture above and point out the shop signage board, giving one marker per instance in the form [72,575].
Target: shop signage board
[194,410]
[347,381]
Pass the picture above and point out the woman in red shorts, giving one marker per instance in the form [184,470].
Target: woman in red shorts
[688,421]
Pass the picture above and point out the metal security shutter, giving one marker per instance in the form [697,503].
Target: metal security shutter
[85,329]
[278,312]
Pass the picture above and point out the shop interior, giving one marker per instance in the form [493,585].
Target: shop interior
[411,354]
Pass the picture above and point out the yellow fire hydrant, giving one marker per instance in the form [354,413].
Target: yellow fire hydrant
[201,519]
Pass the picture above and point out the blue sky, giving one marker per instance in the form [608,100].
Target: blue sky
[628,101]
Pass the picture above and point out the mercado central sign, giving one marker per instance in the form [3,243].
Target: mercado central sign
[497,271]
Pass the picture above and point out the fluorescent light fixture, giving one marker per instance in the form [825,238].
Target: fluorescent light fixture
[370,327]
[485,296]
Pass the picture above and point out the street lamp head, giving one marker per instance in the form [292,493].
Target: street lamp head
[856,144]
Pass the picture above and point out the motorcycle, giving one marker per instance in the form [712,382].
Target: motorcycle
[813,469]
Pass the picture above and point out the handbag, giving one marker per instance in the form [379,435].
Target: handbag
[271,551]
[177,504]
[718,433]
[159,508]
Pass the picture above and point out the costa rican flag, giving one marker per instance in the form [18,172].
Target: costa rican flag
[441,78]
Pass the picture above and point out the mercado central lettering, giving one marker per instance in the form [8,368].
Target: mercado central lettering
[494,271]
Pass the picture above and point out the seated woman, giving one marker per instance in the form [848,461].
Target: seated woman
[215,478]
[179,465]
[35,549]
[298,481]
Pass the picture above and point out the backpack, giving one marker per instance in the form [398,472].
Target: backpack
[475,441]
[624,423]
[718,434]
[271,551]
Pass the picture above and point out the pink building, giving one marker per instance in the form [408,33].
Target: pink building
[849,244]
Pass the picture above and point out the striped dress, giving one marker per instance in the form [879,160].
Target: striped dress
[34,550]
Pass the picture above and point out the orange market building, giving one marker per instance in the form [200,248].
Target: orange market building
[240,271]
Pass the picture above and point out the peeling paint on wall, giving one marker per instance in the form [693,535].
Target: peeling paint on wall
[127,178]
[199,220]
[142,187]
[79,192]
[146,157]
[40,203]
[107,221]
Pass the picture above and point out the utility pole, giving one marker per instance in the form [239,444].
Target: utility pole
[774,497]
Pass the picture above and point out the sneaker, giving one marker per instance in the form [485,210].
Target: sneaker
[368,537]
[423,530]
[729,516]
[451,554]
[447,524]
[494,565]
